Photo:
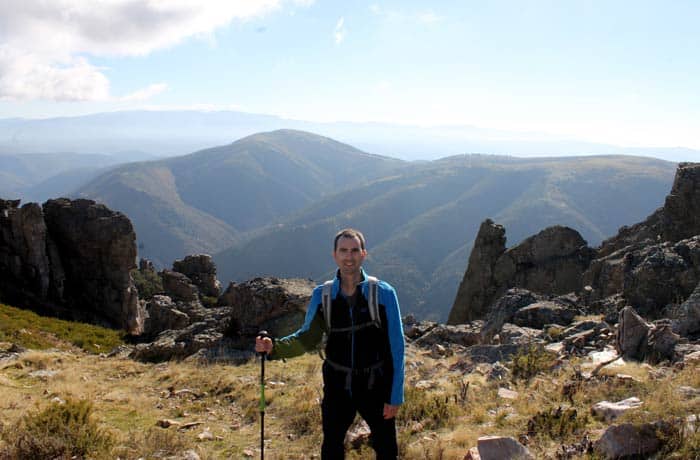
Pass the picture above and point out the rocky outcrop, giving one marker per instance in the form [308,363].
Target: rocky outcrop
[477,290]
[200,268]
[24,260]
[551,262]
[272,304]
[653,266]
[72,258]
[97,249]
[179,286]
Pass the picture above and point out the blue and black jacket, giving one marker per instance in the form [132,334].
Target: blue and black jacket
[351,348]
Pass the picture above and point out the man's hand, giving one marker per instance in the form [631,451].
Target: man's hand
[390,411]
[263,345]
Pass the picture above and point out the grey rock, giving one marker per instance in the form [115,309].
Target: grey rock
[273,304]
[179,286]
[539,314]
[627,440]
[632,335]
[512,334]
[462,334]
[502,448]
[503,310]
[609,411]
[200,268]
[688,320]
[552,261]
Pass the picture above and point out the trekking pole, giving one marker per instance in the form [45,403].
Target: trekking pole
[262,398]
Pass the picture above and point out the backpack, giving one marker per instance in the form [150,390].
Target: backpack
[372,302]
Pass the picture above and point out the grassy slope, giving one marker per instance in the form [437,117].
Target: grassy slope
[439,422]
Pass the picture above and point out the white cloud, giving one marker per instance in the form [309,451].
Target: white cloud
[340,31]
[375,8]
[145,93]
[44,46]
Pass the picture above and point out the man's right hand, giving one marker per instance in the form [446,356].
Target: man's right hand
[263,345]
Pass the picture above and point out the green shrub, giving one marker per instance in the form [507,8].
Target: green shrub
[61,431]
[529,361]
[148,283]
[556,423]
[431,410]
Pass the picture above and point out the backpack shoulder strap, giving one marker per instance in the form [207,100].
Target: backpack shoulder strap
[327,301]
[373,301]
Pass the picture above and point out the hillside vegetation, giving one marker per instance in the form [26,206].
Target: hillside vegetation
[65,402]
[420,222]
[204,201]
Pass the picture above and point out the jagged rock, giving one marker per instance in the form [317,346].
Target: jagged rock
[512,334]
[24,261]
[662,343]
[162,314]
[688,320]
[678,219]
[477,289]
[97,249]
[503,309]
[609,411]
[502,448]
[639,340]
[201,270]
[552,261]
[179,286]
[179,344]
[627,440]
[662,274]
[462,334]
[275,305]
[632,335]
[539,314]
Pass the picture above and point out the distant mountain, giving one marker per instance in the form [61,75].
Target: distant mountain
[205,201]
[40,176]
[173,133]
[421,221]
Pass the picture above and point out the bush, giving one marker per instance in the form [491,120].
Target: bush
[431,410]
[148,283]
[529,361]
[61,431]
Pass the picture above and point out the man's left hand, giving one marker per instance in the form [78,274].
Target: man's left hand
[390,411]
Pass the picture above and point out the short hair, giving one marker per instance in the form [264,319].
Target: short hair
[349,233]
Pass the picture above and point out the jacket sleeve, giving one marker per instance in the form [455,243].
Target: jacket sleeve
[396,341]
[308,337]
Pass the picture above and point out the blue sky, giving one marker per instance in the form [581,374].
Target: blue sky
[619,72]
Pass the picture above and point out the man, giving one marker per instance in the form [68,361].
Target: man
[363,370]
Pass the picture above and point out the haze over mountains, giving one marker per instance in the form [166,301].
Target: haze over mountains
[269,203]
[172,133]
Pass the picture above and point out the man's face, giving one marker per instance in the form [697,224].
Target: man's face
[349,255]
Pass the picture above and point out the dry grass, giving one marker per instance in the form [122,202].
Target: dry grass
[129,399]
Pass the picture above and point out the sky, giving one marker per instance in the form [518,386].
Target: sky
[621,72]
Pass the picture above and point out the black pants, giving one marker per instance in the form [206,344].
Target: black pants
[340,406]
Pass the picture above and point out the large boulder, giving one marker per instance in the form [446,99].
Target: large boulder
[551,262]
[650,276]
[273,304]
[200,268]
[97,250]
[24,261]
[687,321]
[73,258]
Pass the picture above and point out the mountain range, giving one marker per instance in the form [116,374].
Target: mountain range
[179,132]
[270,203]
